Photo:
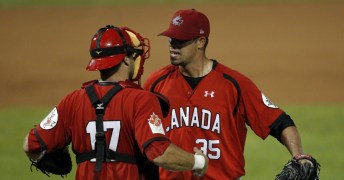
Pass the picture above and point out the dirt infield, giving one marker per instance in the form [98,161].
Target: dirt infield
[294,53]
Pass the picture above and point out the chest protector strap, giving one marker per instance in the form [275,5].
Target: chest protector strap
[100,152]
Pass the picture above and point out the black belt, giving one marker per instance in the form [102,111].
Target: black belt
[110,156]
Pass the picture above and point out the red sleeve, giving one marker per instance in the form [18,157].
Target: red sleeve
[148,120]
[34,145]
[51,130]
[156,148]
[258,110]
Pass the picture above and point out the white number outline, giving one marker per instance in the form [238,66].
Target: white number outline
[215,153]
[114,125]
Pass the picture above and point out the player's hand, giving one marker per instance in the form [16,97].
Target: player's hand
[201,172]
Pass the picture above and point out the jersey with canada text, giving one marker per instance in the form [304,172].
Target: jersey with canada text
[213,117]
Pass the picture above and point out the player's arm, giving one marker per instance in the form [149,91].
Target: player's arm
[291,140]
[156,146]
[301,165]
[171,157]
[35,145]
[26,149]
[174,158]
[284,130]
[34,155]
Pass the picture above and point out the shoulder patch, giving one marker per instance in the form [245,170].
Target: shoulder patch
[155,124]
[268,103]
[50,121]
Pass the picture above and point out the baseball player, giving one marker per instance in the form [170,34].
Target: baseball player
[111,122]
[211,104]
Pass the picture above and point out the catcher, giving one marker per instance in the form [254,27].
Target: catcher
[113,124]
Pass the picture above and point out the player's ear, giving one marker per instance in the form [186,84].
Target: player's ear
[201,42]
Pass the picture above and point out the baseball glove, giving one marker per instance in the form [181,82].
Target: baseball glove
[300,167]
[57,162]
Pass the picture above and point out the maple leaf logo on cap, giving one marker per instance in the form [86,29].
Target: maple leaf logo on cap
[187,24]
[177,21]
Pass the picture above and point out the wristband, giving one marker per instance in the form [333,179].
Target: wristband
[199,162]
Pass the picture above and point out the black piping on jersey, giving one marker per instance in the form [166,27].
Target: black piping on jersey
[144,146]
[40,140]
[165,76]
[226,76]
[236,85]
[164,103]
[283,121]
[158,80]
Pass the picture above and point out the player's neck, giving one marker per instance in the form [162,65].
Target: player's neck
[197,68]
[120,75]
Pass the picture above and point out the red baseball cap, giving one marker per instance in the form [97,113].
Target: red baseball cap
[188,24]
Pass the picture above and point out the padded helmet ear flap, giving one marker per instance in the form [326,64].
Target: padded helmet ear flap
[134,39]
[138,68]
[141,52]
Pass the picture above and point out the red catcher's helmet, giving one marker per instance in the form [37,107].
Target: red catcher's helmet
[111,44]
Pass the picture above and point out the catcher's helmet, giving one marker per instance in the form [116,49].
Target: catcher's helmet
[111,44]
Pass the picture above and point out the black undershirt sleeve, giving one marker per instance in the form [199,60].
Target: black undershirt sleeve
[282,122]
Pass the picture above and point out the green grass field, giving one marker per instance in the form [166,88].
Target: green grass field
[319,126]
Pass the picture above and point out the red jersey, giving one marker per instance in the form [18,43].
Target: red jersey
[131,122]
[213,117]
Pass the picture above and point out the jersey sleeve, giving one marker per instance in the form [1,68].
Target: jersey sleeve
[259,112]
[148,122]
[52,132]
